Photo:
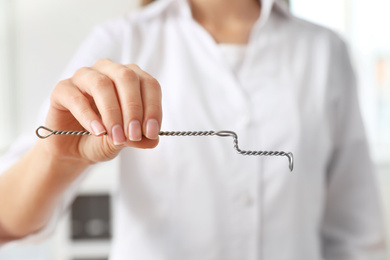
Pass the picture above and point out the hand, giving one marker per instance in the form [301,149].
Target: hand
[120,100]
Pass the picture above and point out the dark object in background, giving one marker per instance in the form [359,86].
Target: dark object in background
[90,217]
[90,259]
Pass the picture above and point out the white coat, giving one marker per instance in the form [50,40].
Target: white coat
[195,198]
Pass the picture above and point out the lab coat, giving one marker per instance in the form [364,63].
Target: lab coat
[195,198]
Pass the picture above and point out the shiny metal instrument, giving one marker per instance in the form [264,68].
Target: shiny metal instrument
[185,133]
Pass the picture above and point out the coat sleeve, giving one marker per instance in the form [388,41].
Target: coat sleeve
[19,147]
[100,43]
[353,227]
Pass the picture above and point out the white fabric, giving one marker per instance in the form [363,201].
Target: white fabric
[195,197]
[233,54]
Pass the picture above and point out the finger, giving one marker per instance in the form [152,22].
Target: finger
[127,85]
[103,92]
[66,96]
[145,144]
[151,100]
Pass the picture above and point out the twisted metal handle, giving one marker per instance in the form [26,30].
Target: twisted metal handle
[185,133]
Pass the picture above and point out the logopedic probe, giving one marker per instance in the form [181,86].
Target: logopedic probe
[185,133]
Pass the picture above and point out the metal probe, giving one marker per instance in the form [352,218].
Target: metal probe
[185,133]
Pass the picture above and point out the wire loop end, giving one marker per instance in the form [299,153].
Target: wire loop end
[51,132]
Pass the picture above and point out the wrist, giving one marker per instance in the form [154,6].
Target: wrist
[56,162]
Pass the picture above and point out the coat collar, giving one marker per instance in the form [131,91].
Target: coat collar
[183,8]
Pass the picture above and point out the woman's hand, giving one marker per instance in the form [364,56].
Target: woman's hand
[120,100]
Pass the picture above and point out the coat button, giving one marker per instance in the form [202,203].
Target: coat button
[246,199]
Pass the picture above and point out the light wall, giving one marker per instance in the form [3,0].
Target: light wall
[37,40]
[6,57]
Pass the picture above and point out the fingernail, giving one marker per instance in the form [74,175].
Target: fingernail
[97,127]
[152,129]
[135,133]
[118,136]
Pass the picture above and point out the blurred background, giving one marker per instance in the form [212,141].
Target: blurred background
[37,39]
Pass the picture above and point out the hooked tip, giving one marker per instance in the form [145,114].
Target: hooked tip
[290,161]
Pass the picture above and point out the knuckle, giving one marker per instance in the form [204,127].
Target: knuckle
[154,109]
[134,106]
[133,66]
[102,61]
[111,109]
[60,85]
[127,74]
[101,81]
[59,91]
[151,82]
[81,71]
[79,101]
